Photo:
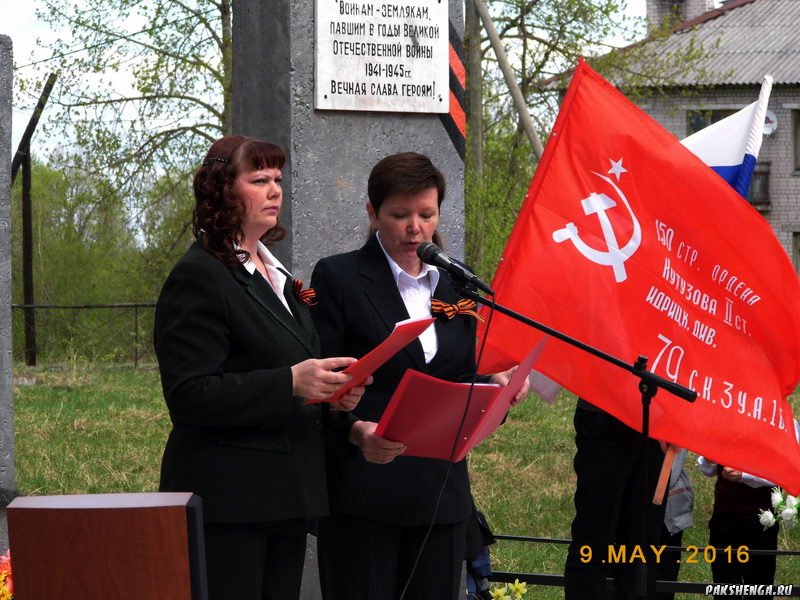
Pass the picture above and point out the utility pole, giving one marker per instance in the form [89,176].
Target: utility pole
[29,313]
[24,146]
[23,158]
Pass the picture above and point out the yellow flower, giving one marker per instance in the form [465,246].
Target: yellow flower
[499,594]
[518,589]
[4,593]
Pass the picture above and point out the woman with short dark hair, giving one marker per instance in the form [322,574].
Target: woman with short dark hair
[382,503]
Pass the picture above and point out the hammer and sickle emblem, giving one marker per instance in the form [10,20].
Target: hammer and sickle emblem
[615,256]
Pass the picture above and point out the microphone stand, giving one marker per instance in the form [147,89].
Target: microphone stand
[649,384]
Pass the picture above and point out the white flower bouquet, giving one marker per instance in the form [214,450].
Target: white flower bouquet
[784,510]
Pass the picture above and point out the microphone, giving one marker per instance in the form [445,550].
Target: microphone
[431,254]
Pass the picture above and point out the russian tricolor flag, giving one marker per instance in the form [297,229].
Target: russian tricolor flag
[730,146]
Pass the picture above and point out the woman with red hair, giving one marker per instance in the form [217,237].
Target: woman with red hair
[238,357]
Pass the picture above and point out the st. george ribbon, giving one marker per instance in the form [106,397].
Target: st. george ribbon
[431,254]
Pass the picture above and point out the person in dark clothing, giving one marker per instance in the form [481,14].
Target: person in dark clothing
[382,503]
[610,510]
[238,355]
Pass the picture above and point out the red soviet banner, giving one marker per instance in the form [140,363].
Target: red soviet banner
[630,243]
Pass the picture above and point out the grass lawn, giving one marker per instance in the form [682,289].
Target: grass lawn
[87,430]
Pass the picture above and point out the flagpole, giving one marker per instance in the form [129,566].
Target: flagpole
[754,138]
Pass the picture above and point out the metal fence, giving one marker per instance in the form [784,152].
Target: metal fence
[53,335]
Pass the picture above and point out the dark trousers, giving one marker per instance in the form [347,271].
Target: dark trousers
[610,509]
[370,560]
[670,565]
[255,561]
[742,530]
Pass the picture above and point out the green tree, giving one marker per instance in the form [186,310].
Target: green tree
[83,253]
[144,86]
[166,228]
[148,127]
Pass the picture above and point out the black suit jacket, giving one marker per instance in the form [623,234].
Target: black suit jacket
[358,304]
[225,344]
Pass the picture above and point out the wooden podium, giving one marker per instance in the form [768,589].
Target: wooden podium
[108,547]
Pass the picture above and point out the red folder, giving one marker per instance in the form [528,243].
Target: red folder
[425,412]
[402,335]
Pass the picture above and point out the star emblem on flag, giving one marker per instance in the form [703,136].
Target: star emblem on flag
[616,168]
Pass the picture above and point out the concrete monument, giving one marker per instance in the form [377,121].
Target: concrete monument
[340,85]
[7,470]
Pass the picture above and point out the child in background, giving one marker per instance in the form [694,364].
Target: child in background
[738,499]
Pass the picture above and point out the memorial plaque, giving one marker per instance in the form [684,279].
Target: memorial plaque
[382,56]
